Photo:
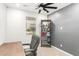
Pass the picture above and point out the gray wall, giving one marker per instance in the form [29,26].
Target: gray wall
[66,29]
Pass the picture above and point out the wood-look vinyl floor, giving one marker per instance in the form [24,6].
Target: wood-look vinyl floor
[11,49]
[16,49]
[48,51]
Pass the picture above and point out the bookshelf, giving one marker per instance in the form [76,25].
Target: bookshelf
[45,32]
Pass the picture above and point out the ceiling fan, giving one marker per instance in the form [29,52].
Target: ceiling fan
[45,7]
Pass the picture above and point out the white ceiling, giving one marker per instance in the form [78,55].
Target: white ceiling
[31,7]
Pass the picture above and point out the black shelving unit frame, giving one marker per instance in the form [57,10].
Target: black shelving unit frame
[46,31]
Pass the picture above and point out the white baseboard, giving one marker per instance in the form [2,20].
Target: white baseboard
[12,41]
[68,54]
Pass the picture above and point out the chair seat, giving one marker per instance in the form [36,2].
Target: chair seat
[26,46]
[28,50]
[28,53]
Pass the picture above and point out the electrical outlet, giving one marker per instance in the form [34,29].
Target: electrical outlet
[61,45]
[61,28]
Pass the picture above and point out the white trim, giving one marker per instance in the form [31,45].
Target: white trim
[1,43]
[68,54]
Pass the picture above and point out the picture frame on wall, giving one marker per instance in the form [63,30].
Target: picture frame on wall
[30,25]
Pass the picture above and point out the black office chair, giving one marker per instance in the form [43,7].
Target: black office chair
[33,46]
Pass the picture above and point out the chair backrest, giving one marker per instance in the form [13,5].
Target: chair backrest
[34,42]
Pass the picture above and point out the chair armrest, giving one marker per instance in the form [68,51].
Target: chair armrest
[26,44]
[28,50]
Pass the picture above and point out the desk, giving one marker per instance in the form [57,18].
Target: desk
[12,49]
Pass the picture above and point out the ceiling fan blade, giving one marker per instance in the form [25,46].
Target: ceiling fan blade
[51,7]
[48,4]
[39,11]
[45,10]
